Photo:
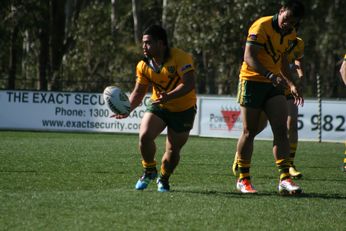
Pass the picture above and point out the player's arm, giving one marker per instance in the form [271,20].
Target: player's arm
[285,70]
[135,99]
[299,67]
[286,74]
[251,59]
[187,85]
[137,95]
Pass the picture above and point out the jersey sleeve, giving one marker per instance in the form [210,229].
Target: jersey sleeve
[297,51]
[300,49]
[256,35]
[140,76]
[184,63]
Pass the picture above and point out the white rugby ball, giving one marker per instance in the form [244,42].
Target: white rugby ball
[116,100]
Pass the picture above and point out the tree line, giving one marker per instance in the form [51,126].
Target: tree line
[86,45]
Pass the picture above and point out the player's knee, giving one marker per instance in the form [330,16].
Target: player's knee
[145,139]
[171,160]
[249,133]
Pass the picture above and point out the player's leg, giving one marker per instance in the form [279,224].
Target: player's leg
[263,121]
[292,123]
[250,118]
[277,112]
[251,97]
[151,127]
[170,160]
[179,125]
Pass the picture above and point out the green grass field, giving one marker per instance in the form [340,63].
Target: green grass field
[85,181]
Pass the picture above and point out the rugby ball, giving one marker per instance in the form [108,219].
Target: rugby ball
[116,100]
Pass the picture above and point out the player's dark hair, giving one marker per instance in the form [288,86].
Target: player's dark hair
[158,33]
[295,6]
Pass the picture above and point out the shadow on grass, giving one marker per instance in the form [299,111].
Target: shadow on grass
[263,194]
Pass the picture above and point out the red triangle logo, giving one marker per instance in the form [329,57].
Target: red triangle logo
[230,118]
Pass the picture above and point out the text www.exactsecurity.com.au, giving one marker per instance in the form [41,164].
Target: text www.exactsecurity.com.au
[90,125]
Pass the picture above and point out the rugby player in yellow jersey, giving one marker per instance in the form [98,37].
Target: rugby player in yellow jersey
[263,77]
[170,72]
[295,59]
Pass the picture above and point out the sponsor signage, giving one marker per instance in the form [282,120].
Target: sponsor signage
[220,117]
[216,116]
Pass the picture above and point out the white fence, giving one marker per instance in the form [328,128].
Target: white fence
[216,117]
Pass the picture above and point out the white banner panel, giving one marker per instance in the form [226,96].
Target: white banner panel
[220,117]
[216,116]
[65,111]
[333,120]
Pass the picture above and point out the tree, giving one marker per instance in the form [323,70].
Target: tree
[216,42]
[85,45]
[136,20]
[13,55]
[114,17]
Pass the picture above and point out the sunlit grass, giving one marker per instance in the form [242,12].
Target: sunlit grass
[78,181]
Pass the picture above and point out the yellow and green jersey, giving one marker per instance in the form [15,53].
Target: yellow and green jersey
[265,33]
[296,52]
[167,78]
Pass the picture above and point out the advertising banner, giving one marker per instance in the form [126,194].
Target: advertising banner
[65,111]
[220,117]
[216,116]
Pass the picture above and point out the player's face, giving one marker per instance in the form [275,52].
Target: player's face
[286,20]
[150,46]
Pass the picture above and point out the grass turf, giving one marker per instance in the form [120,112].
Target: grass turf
[85,181]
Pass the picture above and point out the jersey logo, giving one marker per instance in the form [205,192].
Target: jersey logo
[171,69]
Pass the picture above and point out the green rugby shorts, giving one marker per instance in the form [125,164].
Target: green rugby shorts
[178,121]
[255,94]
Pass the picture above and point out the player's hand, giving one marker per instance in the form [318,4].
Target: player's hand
[163,98]
[298,97]
[277,80]
[119,116]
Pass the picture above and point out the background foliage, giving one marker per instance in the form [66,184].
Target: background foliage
[85,45]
